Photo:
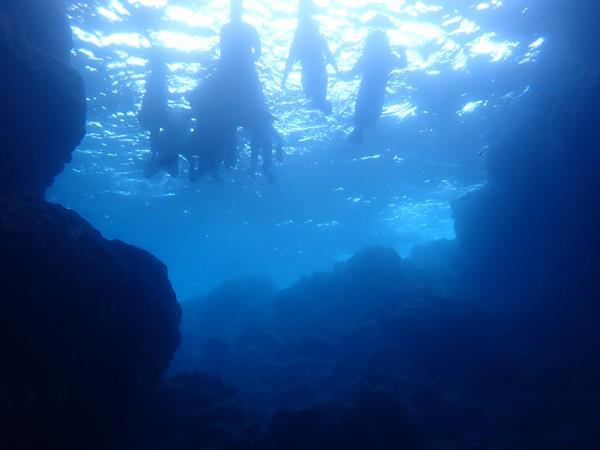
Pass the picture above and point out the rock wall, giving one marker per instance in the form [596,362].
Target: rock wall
[42,113]
[535,220]
[87,325]
[87,328]
[45,24]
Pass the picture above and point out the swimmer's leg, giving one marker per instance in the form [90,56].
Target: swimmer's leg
[357,136]
[314,84]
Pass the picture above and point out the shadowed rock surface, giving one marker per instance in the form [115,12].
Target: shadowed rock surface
[374,419]
[474,369]
[191,411]
[44,22]
[537,213]
[43,108]
[87,326]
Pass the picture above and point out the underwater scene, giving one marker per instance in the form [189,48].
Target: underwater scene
[463,73]
[300,225]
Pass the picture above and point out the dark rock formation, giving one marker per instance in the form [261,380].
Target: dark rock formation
[222,313]
[44,22]
[191,411]
[43,108]
[87,328]
[354,289]
[453,373]
[574,22]
[537,218]
[374,420]
[535,223]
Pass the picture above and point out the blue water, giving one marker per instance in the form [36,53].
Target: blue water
[455,99]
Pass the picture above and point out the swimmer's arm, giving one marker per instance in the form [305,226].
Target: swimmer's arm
[289,63]
[288,68]
[356,71]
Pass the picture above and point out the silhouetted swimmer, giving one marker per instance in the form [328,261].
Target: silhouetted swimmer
[154,112]
[312,50]
[214,138]
[240,49]
[173,141]
[375,66]
[240,43]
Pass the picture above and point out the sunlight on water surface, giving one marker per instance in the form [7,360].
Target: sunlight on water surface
[332,198]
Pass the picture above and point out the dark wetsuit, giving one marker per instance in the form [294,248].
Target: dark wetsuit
[311,49]
[241,89]
[375,68]
[214,137]
[371,95]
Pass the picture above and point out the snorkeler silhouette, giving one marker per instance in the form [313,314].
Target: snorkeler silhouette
[236,98]
[375,66]
[312,50]
[153,115]
[240,49]
[173,141]
[240,42]
[214,138]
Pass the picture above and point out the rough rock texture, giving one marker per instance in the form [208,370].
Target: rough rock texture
[536,220]
[537,217]
[191,411]
[539,204]
[43,108]
[347,287]
[222,312]
[87,328]
[452,372]
[45,23]
[376,419]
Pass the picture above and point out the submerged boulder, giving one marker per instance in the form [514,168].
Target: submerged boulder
[191,411]
[355,289]
[43,108]
[228,309]
[87,328]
